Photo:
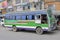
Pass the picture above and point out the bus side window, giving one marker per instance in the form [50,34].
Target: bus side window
[27,17]
[23,17]
[33,17]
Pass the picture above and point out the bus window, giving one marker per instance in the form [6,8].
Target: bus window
[15,17]
[43,18]
[18,17]
[27,17]
[38,17]
[33,17]
[11,17]
[7,17]
[23,17]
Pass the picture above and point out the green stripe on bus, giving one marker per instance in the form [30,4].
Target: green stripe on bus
[28,24]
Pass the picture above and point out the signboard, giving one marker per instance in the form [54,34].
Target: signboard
[3,11]
[4,4]
[1,6]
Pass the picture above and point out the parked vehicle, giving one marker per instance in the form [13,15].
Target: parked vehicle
[38,21]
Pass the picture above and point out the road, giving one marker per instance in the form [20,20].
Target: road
[26,35]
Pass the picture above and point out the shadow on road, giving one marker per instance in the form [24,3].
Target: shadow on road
[48,33]
[27,31]
[45,33]
[52,32]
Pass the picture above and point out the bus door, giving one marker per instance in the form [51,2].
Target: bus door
[38,19]
[44,19]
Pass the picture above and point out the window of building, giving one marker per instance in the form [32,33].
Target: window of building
[35,6]
[9,2]
[24,1]
[18,1]
[10,10]
[19,8]
[28,7]
[37,3]
[23,8]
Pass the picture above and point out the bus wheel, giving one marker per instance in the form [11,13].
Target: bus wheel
[39,31]
[14,29]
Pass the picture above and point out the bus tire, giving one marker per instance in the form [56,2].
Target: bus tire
[14,29]
[39,31]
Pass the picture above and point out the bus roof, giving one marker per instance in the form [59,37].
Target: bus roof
[27,13]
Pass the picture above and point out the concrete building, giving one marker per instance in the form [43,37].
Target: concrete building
[1,8]
[25,5]
[54,5]
[32,5]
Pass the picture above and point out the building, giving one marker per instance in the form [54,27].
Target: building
[54,5]
[25,5]
[4,5]
[1,8]
[32,5]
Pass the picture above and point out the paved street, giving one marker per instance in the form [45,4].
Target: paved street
[25,35]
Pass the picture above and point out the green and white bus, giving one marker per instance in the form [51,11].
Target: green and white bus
[38,21]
